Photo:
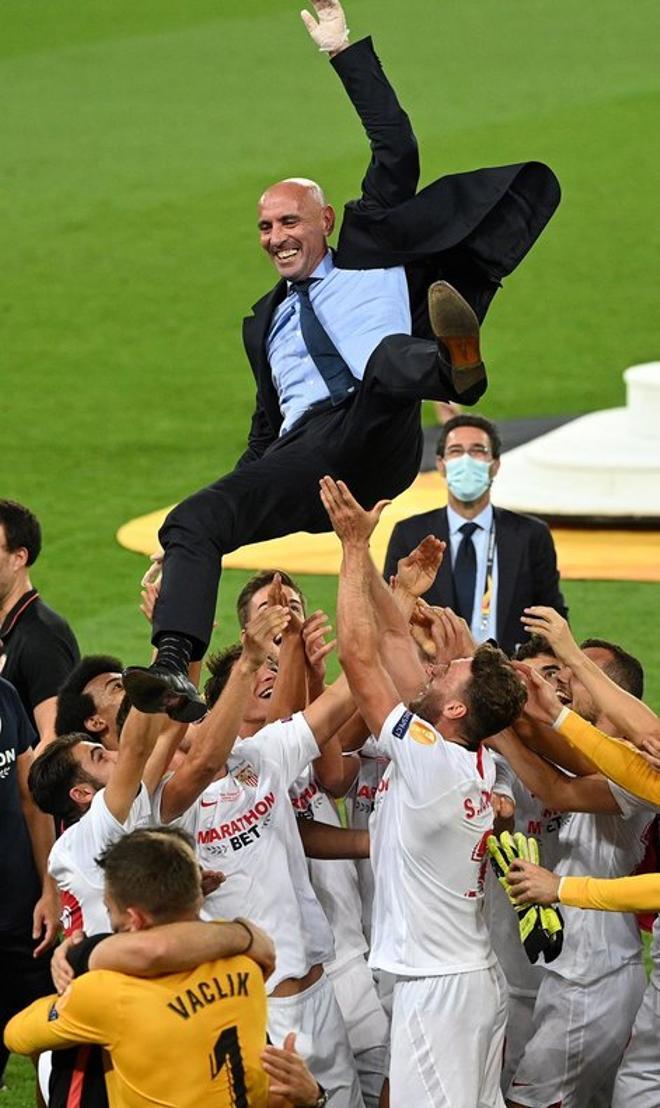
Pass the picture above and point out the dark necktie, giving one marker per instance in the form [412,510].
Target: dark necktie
[322,350]
[465,573]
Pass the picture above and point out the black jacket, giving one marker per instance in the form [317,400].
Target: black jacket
[526,561]
[471,229]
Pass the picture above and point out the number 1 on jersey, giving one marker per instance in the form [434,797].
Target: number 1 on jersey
[227,1051]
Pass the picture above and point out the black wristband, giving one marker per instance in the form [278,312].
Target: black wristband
[246,926]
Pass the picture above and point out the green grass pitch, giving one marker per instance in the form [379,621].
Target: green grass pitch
[135,140]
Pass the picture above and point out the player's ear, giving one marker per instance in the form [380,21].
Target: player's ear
[329,219]
[137,919]
[454,709]
[440,465]
[82,794]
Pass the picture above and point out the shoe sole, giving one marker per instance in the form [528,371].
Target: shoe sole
[146,691]
[150,694]
[456,326]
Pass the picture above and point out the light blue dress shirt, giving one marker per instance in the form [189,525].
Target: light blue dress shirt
[480,538]
[357,308]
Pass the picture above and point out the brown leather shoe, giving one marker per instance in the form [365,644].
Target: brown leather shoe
[457,329]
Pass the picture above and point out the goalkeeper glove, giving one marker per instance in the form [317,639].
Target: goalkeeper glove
[541,929]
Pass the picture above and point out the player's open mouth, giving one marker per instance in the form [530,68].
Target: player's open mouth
[286,255]
[266,694]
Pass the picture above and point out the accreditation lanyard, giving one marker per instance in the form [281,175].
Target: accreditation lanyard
[487,597]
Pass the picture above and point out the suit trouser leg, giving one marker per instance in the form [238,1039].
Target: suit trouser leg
[409,368]
[374,445]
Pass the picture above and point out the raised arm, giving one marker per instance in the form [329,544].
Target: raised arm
[373,689]
[216,735]
[617,760]
[549,784]
[393,172]
[631,717]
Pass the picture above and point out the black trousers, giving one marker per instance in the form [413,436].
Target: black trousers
[23,978]
[373,442]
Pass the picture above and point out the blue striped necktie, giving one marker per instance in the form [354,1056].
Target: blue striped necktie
[323,352]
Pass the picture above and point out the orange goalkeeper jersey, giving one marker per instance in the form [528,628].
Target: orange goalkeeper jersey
[182,1040]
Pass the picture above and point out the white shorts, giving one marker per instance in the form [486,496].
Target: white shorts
[519,1031]
[367,1025]
[321,1039]
[447,1040]
[579,1034]
[637,1083]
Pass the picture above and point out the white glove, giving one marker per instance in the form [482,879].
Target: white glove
[330,33]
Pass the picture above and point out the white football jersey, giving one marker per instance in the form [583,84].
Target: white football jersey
[359,801]
[335,881]
[603,845]
[244,826]
[432,817]
[523,978]
[72,862]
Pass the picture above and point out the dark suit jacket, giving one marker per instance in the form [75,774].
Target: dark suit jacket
[471,229]
[526,560]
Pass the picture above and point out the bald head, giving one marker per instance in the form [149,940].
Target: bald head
[294,224]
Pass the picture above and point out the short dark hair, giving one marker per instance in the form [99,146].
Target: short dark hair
[624,669]
[22,529]
[220,666]
[155,869]
[470,421]
[54,773]
[259,581]
[535,645]
[494,694]
[75,706]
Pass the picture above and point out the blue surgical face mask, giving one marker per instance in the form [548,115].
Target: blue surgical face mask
[467,478]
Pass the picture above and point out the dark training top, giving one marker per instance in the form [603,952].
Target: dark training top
[39,651]
[19,880]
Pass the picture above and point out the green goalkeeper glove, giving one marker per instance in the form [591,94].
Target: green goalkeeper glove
[541,929]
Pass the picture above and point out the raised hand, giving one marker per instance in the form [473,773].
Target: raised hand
[421,624]
[547,622]
[314,631]
[155,571]
[329,32]
[542,701]
[277,597]
[416,573]
[350,521]
[259,633]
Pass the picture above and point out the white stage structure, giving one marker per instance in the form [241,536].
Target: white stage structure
[605,465]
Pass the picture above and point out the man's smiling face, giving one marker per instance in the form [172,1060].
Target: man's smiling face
[294,225]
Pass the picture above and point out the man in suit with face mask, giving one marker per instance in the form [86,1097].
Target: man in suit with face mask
[498,562]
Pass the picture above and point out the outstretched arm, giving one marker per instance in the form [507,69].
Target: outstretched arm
[617,760]
[549,784]
[373,690]
[631,717]
[532,884]
[216,734]
[393,173]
